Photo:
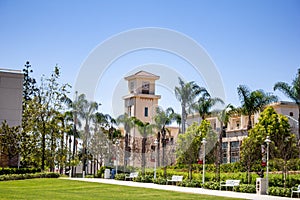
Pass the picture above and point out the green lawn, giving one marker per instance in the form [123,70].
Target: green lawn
[66,189]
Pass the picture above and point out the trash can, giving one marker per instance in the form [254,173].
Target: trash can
[113,173]
[261,186]
[107,173]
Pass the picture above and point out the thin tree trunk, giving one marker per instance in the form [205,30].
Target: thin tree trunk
[74,144]
[190,171]
[249,126]
[143,155]
[183,118]
[298,120]
[43,146]
[126,152]
[219,156]
[158,149]
[163,151]
[62,150]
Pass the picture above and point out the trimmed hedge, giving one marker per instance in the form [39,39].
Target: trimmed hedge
[10,177]
[4,171]
[279,191]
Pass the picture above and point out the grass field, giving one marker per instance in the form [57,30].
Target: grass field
[65,189]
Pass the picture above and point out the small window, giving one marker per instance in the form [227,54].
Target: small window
[146,112]
[145,87]
[291,114]
[131,87]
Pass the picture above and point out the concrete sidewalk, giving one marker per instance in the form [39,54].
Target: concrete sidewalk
[183,189]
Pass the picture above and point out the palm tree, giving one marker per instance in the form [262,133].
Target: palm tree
[253,102]
[87,113]
[186,93]
[145,129]
[204,104]
[291,91]
[163,118]
[177,119]
[128,123]
[223,117]
[75,107]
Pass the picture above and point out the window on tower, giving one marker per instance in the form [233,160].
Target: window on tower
[145,87]
[146,112]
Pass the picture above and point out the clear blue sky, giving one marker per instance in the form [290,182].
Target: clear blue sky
[255,43]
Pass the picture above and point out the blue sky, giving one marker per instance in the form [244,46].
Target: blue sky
[255,43]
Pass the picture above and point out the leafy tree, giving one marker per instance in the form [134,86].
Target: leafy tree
[27,141]
[9,144]
[291,91]
[145,129]
[29,84]
[276,126]
[186,94]
[189,143]
[46,108]
[163,118]
[254,101]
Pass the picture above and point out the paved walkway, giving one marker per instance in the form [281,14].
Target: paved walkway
[183,189]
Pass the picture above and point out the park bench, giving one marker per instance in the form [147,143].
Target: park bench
[131,175]
[295,190]
[229,183]
[175,179]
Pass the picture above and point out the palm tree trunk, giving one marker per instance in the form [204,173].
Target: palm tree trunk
[163,153]
[74,148]
[190,171]
[144,140]
[158,149]
[249,126]
[62,151]
[219,157]
[126,152]
[183,118]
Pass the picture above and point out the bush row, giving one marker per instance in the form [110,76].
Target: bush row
[274,165]
[279,191]
[10,177]
[4,171]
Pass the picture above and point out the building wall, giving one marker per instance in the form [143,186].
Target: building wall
[11,91]
[237,128]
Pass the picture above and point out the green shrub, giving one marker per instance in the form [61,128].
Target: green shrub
[160,181]
[245,188]
[189,183]
[144,179]
[279,191]
[120,177]
[211,185]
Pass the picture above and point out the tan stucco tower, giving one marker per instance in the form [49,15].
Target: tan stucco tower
[141,102]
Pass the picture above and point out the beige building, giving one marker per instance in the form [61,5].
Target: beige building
[237,128]
[11,91]
[141,102]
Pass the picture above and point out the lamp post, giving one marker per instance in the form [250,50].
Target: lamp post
[117,157]
[203,175]
[155,143]
[267,140]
